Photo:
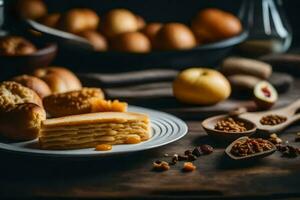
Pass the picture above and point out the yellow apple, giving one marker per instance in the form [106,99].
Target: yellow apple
[201,86]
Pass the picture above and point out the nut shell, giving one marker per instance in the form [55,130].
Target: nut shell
[34,83]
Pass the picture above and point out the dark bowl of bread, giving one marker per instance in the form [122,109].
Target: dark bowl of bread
[122,36]
[20,55]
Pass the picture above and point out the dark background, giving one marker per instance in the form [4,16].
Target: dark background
[170,10]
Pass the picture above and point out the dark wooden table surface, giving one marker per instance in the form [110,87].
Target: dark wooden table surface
[131,176]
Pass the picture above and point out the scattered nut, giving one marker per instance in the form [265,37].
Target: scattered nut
[188,152]
[161,165]
[275,139]
[206,149]
[188,167]
[191,157]
[197,152]
[174,159]
[181,157]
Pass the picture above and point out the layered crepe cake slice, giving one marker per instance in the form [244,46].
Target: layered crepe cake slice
[89,130]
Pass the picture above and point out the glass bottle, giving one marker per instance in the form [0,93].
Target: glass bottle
[269,30]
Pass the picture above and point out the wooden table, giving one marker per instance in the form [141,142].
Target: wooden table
[130,175]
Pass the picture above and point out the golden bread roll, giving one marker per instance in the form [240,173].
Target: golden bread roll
[15,45]
[50,20]
[22,121]
[173,36]
[71,103]
[212,24]
[31,9]
[78,19]
[90,130]
[131,42]
[151,29]
[34,83]
[201,86]
[140,22]
[59,79]
[119,21]
[97,40]
[12,93]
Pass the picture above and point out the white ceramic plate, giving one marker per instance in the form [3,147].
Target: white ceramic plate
[165,128]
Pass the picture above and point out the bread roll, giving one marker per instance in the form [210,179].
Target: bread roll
[71,103]
[34,83]
[31,9]
[12,93]
[15,45]
[78,19]
[175,36]
[50,20]
[151,29]
[22,121]
[97,40]
[212,24]
[59,79]
[119,21]
[131,42]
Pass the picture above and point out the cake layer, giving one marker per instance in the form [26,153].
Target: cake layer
[89,130]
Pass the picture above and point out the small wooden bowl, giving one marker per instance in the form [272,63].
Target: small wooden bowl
[20,64]
[251,156]
[209,127]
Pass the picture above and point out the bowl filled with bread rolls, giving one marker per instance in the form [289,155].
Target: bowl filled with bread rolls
[18,54]
[120,35]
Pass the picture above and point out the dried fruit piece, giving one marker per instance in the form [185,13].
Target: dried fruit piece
[206,149]
[188,167]
[161,166]
[265,95]
[103,147]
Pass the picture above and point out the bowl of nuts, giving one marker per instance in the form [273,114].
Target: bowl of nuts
[226,128]
[249,148]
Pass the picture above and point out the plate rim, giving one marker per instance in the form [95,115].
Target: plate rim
[4,147]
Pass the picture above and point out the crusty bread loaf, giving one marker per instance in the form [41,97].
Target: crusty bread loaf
[59,79]
[71,103]
[34,83]
[89,130]
[21,122]
[12,93]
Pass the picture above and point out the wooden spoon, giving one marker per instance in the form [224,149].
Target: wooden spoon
[288,112]
[209,127]
[250,156]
